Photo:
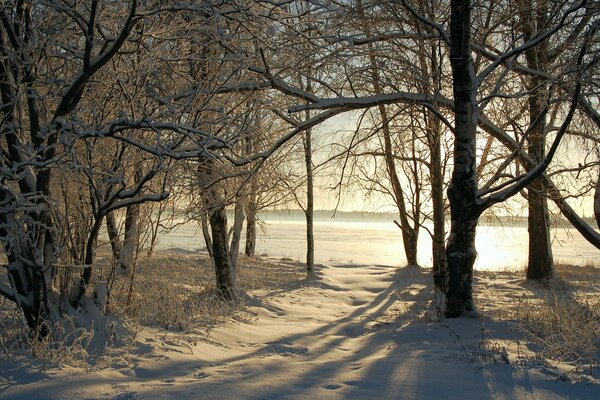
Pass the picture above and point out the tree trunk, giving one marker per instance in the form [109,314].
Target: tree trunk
[250,249]
[238,224]
[597,201]
[206,234]
[461,254]
[225,271]
[462,192]
[28,285]
[78,291]
[440,267]
[132,232]
[309,211]
[540,262]
[224,268]
[21,245]
[154,229]
[410,235]
[113,235]
[431,83]
[130,240]
[252,192]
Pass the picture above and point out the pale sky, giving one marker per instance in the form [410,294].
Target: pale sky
[354,199]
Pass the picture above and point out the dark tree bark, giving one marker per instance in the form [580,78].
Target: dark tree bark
[432,84]
[597,201]
[410,234]
[225,272]
[309,210]
[224,269]
[78,291]
[462,192]
[440,267]
[540,262]
[250,249]
[251,205]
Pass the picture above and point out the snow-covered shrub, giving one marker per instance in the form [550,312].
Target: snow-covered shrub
[13,330]
[563,329]
[80,338]
[177,292]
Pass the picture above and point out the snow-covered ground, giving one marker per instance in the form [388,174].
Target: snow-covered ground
[356,332]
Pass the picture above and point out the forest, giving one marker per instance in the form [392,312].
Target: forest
[122,120]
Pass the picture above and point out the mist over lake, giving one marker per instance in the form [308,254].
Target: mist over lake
[370,238]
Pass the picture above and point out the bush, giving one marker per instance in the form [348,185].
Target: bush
[563,329]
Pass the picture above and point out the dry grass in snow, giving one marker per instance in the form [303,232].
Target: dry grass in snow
[355,332]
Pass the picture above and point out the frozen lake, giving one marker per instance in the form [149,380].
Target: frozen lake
[381,243]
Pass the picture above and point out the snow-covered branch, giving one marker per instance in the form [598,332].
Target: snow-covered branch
[143,198]
[353,103]
[438,27]
[533,42]
[72,94]
[533,173]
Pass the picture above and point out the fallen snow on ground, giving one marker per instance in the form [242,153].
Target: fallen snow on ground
[356,332]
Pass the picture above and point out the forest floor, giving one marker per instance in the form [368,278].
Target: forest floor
[354,332]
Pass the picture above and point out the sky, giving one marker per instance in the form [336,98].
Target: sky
[357,199]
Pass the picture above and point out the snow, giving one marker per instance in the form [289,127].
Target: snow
[355,332]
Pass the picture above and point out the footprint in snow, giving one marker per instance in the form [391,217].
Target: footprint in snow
[286,350]
[126,396]
[332,386]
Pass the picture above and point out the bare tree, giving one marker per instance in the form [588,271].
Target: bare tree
[467,199]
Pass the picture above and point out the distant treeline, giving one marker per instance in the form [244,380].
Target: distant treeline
[365,216]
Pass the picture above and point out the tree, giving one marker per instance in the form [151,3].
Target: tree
[467,199]
[59,103]
[33,137]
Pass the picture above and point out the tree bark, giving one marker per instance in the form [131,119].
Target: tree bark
[540,262]
[250,249]
[130,240]
[309,210]
[252,193]
[113,235]
[206,234]
[597,201]
[238,223]
[78,290]
[23,277]
[462,192]
[431,83]
[440,267]
[225,272]
[224,269]
[132,232]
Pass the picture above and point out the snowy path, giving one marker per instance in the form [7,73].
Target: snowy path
[315,343]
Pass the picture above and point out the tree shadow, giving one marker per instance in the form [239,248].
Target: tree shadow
[352,357]
[349,334]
